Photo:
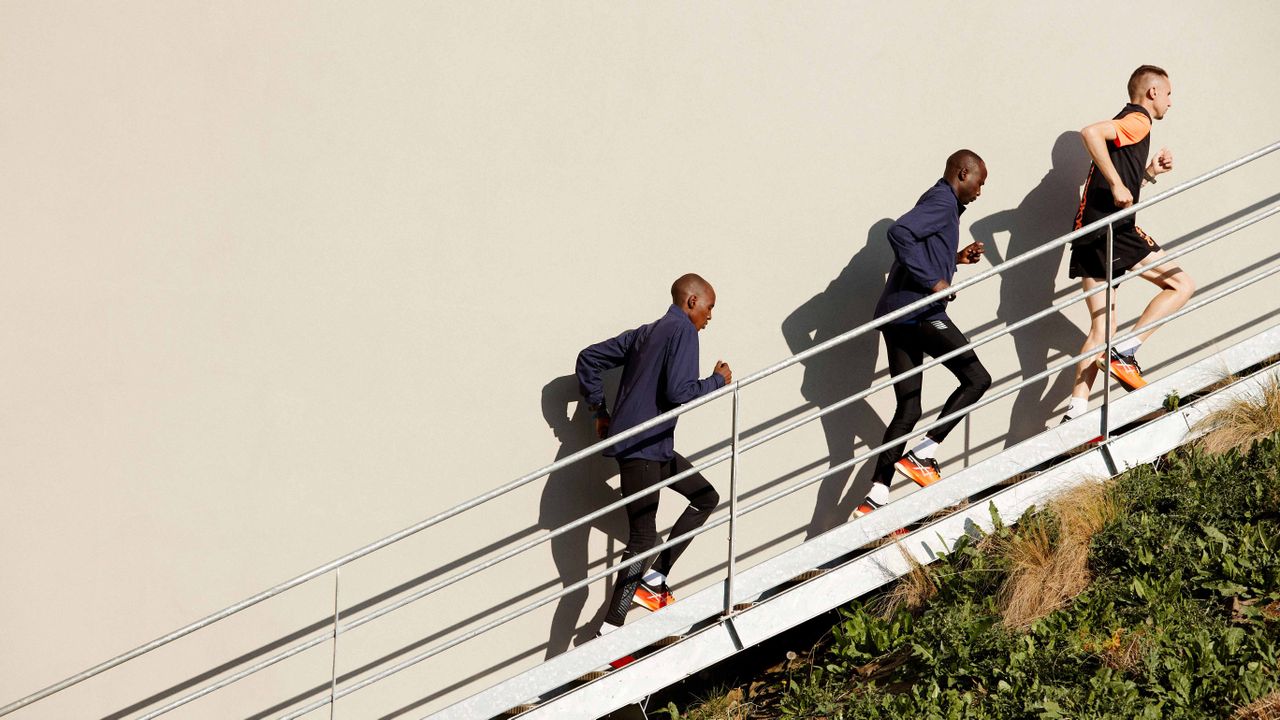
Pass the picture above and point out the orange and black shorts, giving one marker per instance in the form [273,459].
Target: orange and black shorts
[1089,254]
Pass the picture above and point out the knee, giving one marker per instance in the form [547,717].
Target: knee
[643,536]
[1178,282]
[1184,285]
[979,379]
[909,408]
[705,501]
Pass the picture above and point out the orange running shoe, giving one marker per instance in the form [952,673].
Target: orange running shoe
[877,498]
[653,598]
[866,508]
[1125,369]
[923,472]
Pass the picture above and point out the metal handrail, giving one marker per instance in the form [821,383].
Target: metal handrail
[733,388]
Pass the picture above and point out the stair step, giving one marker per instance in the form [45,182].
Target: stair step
[808,575]
[666,642]
[593,675]
[656,645]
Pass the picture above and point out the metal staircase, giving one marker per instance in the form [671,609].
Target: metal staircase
[769,602]
[750,605]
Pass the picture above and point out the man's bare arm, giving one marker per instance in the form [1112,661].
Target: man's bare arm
[1096,137]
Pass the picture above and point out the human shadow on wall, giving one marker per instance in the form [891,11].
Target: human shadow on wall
[569,494]
[831,376]
[1045,213]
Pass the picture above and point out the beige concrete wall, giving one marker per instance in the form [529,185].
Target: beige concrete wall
[278,279]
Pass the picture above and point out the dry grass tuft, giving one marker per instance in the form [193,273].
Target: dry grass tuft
[911,591]
[1266,707]
[729,706]
[1121,650]
[1034,587]
[1244,420]
[1272,610]
[1085,509]
[1049,554]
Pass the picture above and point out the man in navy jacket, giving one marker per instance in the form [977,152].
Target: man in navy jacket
[659,372]
[926,252]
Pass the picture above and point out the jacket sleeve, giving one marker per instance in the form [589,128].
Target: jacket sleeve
[681,377]
[595,359]
[906,237]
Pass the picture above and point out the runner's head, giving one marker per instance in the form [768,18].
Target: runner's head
[965,174]
[1149,87]
[695,297]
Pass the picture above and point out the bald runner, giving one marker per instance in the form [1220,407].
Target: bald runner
[926,251]
[659,364]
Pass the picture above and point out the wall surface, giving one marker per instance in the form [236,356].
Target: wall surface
[279,279]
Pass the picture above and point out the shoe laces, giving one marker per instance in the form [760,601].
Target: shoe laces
[659,589]
[930,462]
[1131,360]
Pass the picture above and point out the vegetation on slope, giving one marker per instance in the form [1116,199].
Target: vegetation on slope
[1155,595]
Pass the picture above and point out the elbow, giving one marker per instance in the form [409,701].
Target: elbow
[682,395]
[587,372]
[587,362]
[679,398]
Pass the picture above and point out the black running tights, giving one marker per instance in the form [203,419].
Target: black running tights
[642,517]
[907,345]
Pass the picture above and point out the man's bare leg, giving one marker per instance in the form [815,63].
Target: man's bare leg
[1176,288]
[1087,369]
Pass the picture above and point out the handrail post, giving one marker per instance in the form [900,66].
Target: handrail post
[1106,358]
[333,665]
[733,506]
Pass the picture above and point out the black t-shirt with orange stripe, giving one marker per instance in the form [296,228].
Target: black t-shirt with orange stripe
[1128,153]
